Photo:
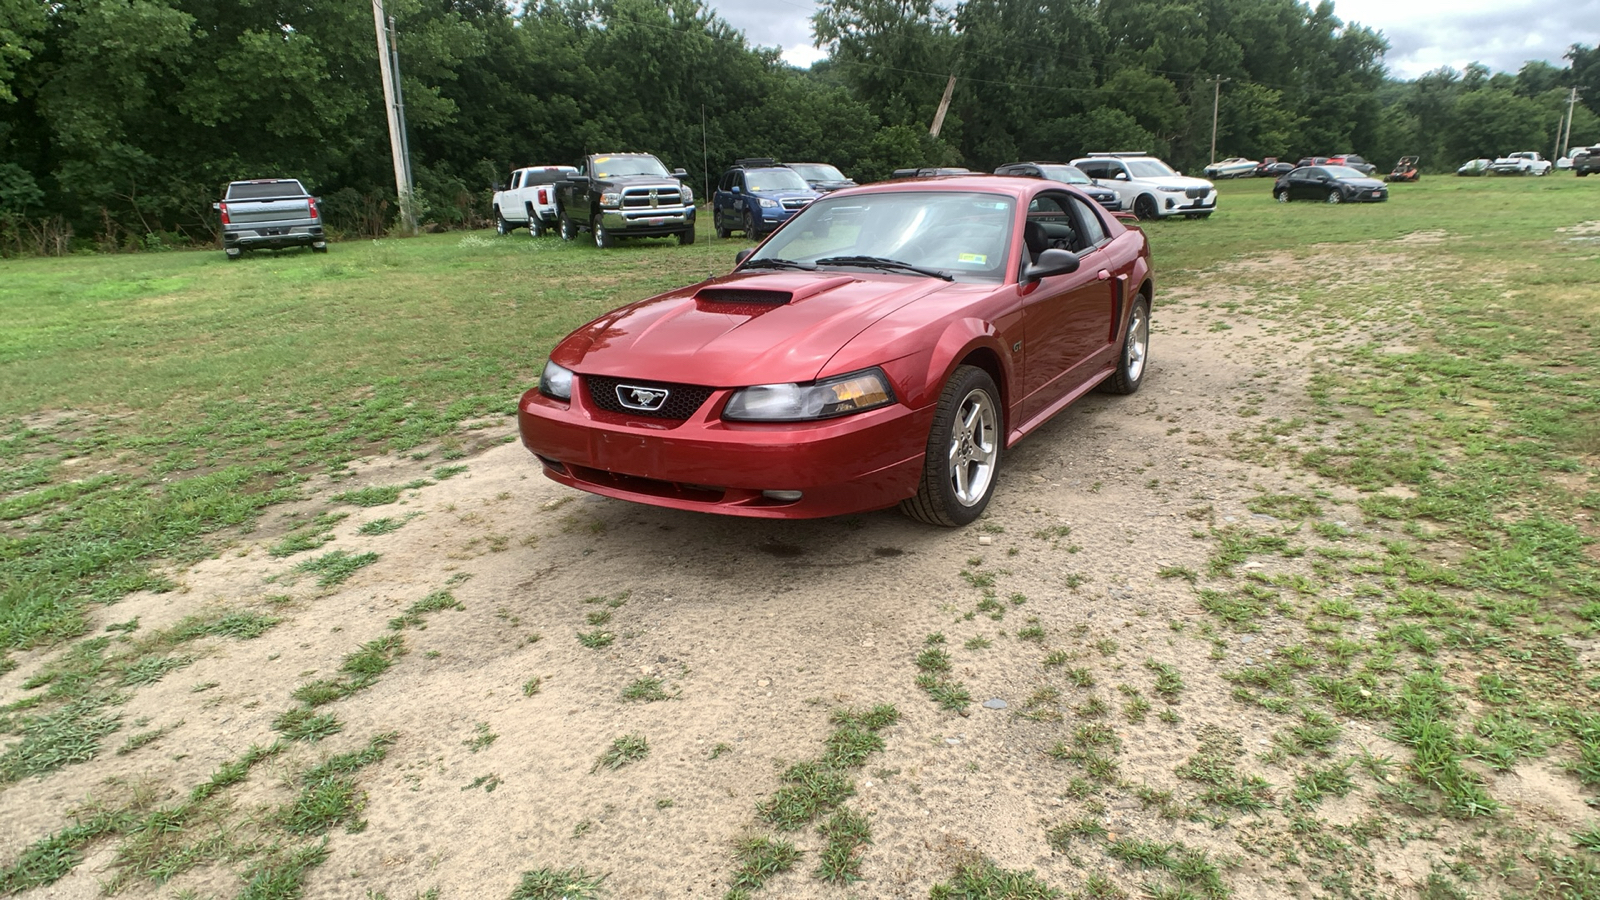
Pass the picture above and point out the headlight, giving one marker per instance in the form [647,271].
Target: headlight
[685,193]
[822,400]
[766,203]
[611,198]
[1172,190]
[556,382]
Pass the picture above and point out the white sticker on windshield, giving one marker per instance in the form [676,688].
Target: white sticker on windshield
[973,259]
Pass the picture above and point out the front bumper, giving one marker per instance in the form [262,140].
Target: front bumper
[1170,204]
[647,222]
[855,463]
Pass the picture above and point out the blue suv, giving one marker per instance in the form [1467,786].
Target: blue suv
[755,196]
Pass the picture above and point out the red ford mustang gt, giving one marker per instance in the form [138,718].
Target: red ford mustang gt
[883,347]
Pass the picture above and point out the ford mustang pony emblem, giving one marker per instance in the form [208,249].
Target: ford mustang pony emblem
[647,399]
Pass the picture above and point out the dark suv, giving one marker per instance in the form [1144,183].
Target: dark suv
[1586,160]
[755,196]
[1066,174]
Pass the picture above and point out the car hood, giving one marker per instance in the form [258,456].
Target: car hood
[628,181]
[826,186]
[741,329]
[786,194]
[1179,181]
[1365,184]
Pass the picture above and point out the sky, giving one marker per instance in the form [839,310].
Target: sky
[1423,34]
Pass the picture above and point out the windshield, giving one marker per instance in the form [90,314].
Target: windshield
[964,235]
[1064,174]
[1343,172]
[618,166]
[818,172]
[775,180]
[1148,168]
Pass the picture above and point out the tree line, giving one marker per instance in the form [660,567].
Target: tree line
[120,120]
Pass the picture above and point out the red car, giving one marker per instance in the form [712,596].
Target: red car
[882,347]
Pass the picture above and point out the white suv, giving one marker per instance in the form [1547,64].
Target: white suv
[1149,187]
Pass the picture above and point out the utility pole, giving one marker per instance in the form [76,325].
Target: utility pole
[394,104]
[1572,101]
[944,105]
[1216,103]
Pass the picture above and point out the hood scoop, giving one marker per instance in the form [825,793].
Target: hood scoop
[740,296]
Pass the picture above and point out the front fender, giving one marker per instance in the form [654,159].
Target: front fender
[961,339]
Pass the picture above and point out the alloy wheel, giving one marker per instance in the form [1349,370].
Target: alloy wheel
[974,448]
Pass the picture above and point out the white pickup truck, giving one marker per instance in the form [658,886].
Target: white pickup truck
[1525,162]
[529,199]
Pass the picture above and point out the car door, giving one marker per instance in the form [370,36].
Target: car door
[1063,316]
[1304,184]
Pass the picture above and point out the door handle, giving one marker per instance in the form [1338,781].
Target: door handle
[1103,275]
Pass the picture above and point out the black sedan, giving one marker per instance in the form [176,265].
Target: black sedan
[1330,184]
[1065,174]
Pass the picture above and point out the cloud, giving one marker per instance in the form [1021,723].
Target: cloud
[1423,34]
[1502,38]
[775,23]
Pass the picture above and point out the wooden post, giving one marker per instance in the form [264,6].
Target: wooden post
[944,104]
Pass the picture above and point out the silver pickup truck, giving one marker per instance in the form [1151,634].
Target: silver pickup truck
[269,213]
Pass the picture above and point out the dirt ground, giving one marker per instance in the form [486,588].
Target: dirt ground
[759,630]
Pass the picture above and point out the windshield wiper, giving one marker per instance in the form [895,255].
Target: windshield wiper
[773,262]
[879,262]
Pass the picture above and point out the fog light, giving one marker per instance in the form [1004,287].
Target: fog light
[782,496]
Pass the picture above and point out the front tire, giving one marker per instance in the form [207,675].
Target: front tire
[1145,209]
[750,230]
[686,236]
[962,460]
[602,237]
[569,231]
[1135,355]
[1335,197]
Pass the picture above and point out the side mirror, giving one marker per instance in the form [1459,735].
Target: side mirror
[1051,262]
[499,186]
[577,176]
[216,206]
[734,189]
[742,255]
[679,173]
[1120,176]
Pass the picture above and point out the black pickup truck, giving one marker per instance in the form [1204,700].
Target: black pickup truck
[615,195]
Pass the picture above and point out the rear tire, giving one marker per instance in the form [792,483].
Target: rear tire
[501,226]
[1281,196]
[1135,356]
[716,219]
[535,226]
[962,461]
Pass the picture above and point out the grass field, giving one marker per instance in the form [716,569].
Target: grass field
[153,401]
[203,390]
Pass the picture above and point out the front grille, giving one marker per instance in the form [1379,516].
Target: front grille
[795,203]
[682,399]
[639,198]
